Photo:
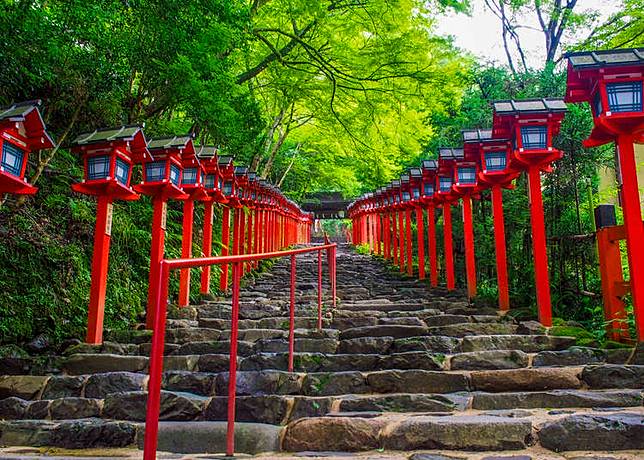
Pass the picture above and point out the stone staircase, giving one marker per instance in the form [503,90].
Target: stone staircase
[396,366]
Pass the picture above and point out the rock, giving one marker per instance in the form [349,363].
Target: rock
[180,363]
[435,457]
[194,334]
[208,348]
[26,433]
[458,433]
[199,383]
[132,406]
[506,457]
[436,344]
[200,437]
[394,331]
[343,433]
[12,408]
[531,328]
[102,385]
[62,386]
[78,364]
[306,406]
[38,344]
[525,379]
[594,432]
[613,376]
[37,410]
[353,322]
[86,434]
[396,403]
[15,366]
[416,381]
[301,345]
[271,409]
[261,382]
[557,398]
[528,344]
[21,386]
[405,321]
[445,320]
[412,360]
[74,408]
[574,356]
[467,329]
[213,363]
[325,384]
[495,359]
[366,345]
[129,336]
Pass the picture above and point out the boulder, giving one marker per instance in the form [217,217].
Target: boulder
[271,409]
[574,356]
[326,384]
[78,364]
[526,379]
[62,386]
[366,345]
[21,386]
[620,431]
[484,360]
[84,434]
[343,433]
[261,382]
[613,376]
[74,408]
[13,408]
[557,398]
[132,406]
[435,344]
[102,385]
[416,381]
[199,383]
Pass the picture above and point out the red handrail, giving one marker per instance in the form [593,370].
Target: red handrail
[158,335]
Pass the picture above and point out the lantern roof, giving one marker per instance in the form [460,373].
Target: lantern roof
[529,106]
[605,58]
[225,161]
[430,165]
[415,173]
[404,179]
[252,176]
[241,171]
[130,134]
[476,135]
[450,153]
[28,113]
[206,152]
[171,142]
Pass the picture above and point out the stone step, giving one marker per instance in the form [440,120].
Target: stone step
[277,322]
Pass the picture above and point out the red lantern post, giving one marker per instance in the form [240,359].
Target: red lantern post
[207,156]
[162,181]
[108,155]
[612,82]
[416,184]
[227,171]
[22,131]
[531,125]
[430,168]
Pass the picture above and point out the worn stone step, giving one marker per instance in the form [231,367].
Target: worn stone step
[279,322]
[460,432]
[473,329]
[557,399]
[526,343]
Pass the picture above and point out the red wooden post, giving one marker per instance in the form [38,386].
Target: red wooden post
[378,234]
[634,229]
[539,249]
[410,260]
[394,237]
[499,242]
[100,261]
[249,238]
[470,260]
[387,236]
[186,252]
[449,249]
[206,246]
[420,234]
[225,247]
[232,372]
[401,241]
[613,286]
[159,214]
[156,364]
[431,246]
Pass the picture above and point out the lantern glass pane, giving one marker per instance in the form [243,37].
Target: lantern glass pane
[155,171]
[416,193]
[625,97]
[467,175]
[175,174]
[253,195]
[445,184]
[406,196]
[210,181]
[12,158]
[122,171]
[534,137]
[240,192]
[495,161]
[429,189]
[220,183]
[190,176]
[98,167]
[228,188]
